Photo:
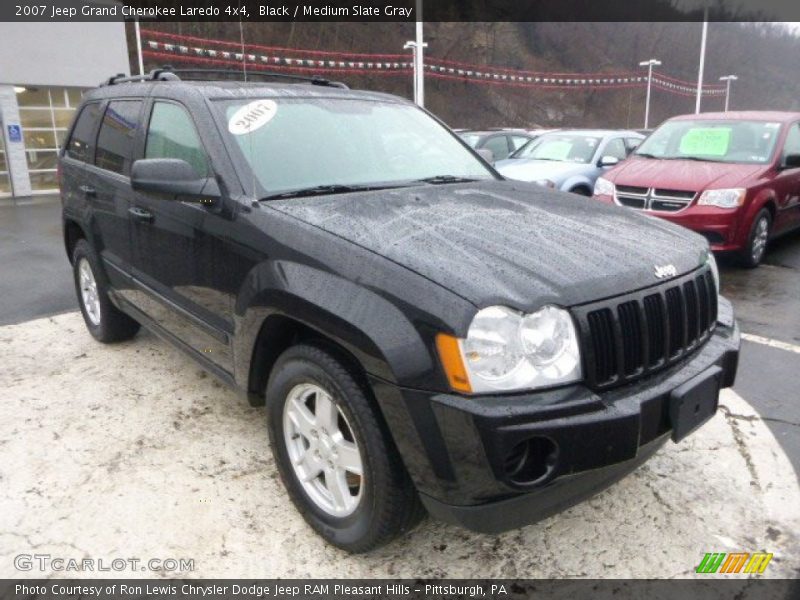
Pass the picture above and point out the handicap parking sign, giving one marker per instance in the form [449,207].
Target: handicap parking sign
[14,133]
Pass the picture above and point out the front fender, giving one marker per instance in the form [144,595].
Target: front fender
[367,324]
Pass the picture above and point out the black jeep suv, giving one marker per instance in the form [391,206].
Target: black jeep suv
[424,334]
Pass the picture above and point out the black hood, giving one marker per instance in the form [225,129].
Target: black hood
[502,242]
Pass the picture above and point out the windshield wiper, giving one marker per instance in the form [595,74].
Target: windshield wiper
[645,154]
[321,190]
[439,179]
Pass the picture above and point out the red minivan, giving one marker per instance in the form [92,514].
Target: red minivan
[733,177]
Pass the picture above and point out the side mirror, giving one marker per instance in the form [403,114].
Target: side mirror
[608,161]
[791,161]
[173,177]
[486,155]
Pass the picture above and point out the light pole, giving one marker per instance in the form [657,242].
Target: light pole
[702,65]
[649,64]
[418,46]
[727,79]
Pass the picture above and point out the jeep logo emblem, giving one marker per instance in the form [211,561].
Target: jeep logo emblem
[663,271]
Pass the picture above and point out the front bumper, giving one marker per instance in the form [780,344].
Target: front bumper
[722,228]
[461,451]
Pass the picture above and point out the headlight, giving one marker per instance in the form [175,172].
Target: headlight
[603,187]
[546,183]
[712,262]
[722,198]
[506,350]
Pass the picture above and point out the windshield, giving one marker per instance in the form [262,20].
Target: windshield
[713,140]
[561,147]
[302,143]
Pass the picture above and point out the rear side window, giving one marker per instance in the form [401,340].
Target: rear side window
[632,144]
[117,133]
[616,148]
[172,135]
[79,145]
[499,147]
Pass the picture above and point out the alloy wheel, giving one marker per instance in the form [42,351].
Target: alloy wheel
[323,450]
[89,294]
[760,237]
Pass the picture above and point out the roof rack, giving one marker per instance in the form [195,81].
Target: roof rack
[168,73]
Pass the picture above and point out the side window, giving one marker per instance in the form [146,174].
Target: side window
[792,145]
[632,144]
[80,142]
[499,147]
[172,134]
[517,142]
[616,148]
[117,132]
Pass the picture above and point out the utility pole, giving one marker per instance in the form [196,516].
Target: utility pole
[727,79]
[649,64]
[702,62]
[418,46]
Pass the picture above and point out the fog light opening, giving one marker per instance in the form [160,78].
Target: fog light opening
[531,460]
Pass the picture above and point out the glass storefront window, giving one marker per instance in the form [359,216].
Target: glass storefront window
[43,181]
[36,117]
[45,115]
[35,138]
[74,95]
[5,181]
[34,97]
[63,117]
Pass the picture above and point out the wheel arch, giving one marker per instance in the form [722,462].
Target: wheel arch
[72,233]
[284,302]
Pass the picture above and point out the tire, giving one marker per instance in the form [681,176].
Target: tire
[752,255]
[581,191]
[382,502]
[104,321]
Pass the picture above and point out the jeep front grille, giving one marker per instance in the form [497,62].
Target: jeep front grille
[630,336]
[658,199]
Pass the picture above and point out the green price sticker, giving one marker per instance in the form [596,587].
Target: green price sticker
[708,141]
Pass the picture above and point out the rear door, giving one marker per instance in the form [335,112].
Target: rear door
[78,152]
[174,259]
[108,187]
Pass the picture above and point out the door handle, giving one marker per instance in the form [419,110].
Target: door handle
[88,191]
[140,214]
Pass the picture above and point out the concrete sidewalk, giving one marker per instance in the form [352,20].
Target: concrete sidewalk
[132,451]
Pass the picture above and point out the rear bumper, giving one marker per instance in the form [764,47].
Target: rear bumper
[463,452]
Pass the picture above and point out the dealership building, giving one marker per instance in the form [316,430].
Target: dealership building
[45,69]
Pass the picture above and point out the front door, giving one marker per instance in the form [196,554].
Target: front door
[172,253]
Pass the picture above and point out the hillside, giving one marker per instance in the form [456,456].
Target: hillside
[764,57]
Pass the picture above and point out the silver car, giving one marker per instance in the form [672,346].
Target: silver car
[569,160]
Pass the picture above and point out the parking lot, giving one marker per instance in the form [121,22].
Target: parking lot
[132,451]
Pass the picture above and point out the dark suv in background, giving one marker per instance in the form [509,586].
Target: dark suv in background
[422,332]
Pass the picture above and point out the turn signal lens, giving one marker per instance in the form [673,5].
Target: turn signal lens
[450,355]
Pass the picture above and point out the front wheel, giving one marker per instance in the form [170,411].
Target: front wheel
[753,253]
[334,456]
